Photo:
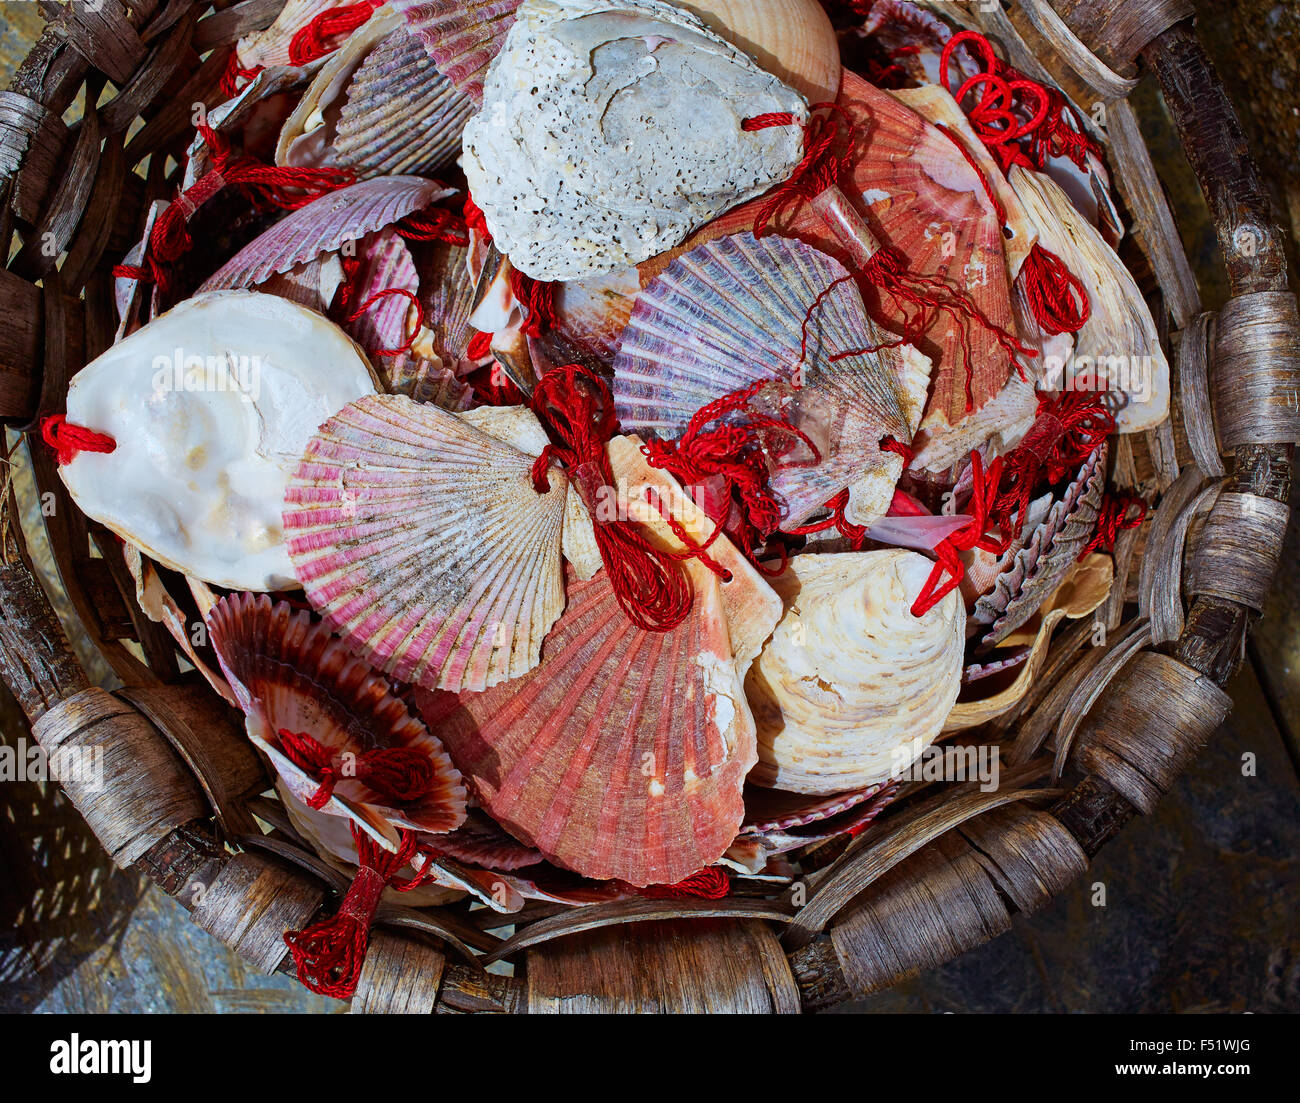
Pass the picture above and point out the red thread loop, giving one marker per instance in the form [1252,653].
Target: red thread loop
[68,440]
[329,954]
[414,300]
[575,406]
[1057,297]
[233,74]
[328,31]
[711,883]
[399,775]
[999,115]
[1112,519]
[537,297]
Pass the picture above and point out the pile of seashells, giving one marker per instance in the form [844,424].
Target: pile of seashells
[635,525]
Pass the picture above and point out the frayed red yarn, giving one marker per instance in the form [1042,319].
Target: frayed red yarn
[1113,518]
[708,884]
[263,185]
[997,117]
[492,387]
[948,570]
[329,954]
[480,346]
[825,146]
[577,410]
[400,775]
[328,31]
[68,440]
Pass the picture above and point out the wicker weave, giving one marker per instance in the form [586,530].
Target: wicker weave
[936,877]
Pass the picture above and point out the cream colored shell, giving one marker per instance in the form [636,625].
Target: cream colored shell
[852,687]
[610,131]
[211,406]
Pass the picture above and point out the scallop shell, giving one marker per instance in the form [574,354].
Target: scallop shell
[385,263]
[768,810]
[378,106]
[422,542]
[623,754]
[622,154]
[210,405]
[852,687]
[462,36]
[447,294]
[289,673]
[1119,340]
[479,841]
[792,39]
[731,313]
[324,225]
[1047,556]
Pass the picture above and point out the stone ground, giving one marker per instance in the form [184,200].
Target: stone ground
[1192,909]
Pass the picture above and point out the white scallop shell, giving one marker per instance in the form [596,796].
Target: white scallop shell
[852,687]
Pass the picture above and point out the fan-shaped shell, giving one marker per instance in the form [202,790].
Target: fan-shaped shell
[852,687]
[271,46]
[481,842]
[731,313]
[289,673]
[322,226]
[385,264]
[422,542]
[623,754]
[378,106]
[1047,555]
[462,36]
[768,810]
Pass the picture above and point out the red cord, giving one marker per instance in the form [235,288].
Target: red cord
[434,224]
[479,347]
[414,300]
[537,297]
[233,74]
[328,31]
[67,439]
[329,954]
[475,219]
[1113,518]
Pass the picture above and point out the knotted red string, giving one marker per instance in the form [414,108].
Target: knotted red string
[708,884]
[1067,431]
[733,452]
[329,954]
[328,31]
[1112,519]
[67,439]
[400,775]
[575,406]
[492,387]
[1003,119]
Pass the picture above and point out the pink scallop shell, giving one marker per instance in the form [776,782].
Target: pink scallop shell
[462,36]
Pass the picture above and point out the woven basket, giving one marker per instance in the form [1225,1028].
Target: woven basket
[934,878]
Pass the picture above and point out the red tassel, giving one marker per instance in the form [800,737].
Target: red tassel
[329,954]
[68,440]
[1057,297]
[328,31]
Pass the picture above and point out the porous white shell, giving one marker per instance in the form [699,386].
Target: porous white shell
[609,131]
[852,687]
[204,450]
